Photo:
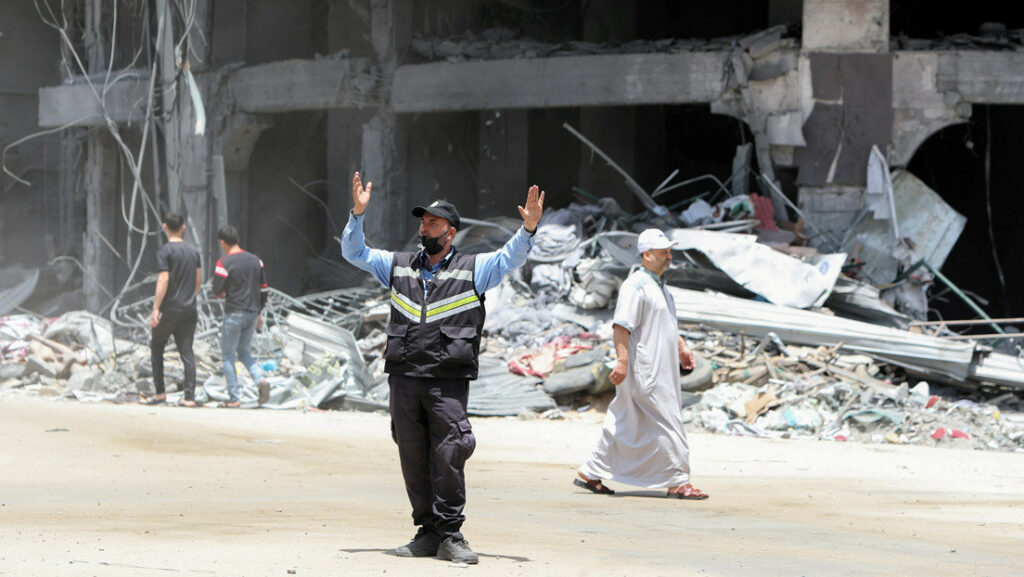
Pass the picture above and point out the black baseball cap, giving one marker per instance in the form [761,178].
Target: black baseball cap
[441,208]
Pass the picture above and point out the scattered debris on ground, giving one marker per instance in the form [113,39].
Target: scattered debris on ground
[790,342]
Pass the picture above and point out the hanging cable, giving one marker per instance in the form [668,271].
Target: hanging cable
[988,205]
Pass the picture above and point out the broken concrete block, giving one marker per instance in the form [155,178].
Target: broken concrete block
[763,44]
[42,351]
[35,364]
[50,391]
[12,370]
[83,378]
[293,351]
[9,384]
[201,349]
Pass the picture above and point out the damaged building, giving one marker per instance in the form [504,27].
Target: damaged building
[257,113]
[865,149]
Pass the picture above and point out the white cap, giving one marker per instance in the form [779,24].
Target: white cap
[651,239]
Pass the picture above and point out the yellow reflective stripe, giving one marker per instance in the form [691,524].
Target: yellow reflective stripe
[398,301]
[452,299]
[455,311]
[408,301]
[438,310]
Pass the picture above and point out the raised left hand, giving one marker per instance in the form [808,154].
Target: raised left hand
[534,208]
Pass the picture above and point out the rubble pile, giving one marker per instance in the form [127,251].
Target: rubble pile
[789,342]
[781,391]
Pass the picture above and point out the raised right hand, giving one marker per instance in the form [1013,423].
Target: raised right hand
[360,195]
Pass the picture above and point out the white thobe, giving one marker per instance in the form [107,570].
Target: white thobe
[643,442]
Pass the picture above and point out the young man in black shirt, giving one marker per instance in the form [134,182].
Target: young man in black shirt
[239,279]
[174,308]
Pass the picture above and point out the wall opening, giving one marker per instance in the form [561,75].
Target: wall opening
[941,18]
[285,226]
[953,163]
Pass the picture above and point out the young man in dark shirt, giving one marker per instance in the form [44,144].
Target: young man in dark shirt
[239,279]
[174,308]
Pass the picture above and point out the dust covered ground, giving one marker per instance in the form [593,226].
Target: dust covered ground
[129,490]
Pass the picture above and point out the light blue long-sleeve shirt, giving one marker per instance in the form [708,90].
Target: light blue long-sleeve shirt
[488,270]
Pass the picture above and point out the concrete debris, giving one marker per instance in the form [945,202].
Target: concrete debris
[503,43]
[777,277]
[36,365]
[770,389]
[828,360]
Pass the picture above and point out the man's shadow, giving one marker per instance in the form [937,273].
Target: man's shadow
[391,553]
[650,494]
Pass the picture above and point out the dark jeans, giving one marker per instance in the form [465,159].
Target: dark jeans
[429,423]
[182,325]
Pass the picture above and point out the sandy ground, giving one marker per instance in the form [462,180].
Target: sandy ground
[131,490]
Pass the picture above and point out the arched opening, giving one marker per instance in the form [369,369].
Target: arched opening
[961,163]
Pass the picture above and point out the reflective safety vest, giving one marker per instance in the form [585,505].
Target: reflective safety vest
[439,338]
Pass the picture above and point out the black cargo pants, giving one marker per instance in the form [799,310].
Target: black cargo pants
[183,326]
[429,423]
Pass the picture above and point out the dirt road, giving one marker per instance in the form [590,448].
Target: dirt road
[117,490]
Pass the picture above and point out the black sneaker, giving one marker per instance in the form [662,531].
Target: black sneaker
[456,550]
[424,544]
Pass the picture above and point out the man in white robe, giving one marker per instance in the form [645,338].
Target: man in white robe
[643,442]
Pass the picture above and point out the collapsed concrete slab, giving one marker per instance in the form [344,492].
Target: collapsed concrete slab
[960,361]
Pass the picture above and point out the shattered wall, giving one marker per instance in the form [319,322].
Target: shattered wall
[299,95]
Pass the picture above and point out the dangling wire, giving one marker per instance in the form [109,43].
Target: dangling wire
[988,206]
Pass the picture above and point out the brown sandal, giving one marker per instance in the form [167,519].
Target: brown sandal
[687,491]
[592,485]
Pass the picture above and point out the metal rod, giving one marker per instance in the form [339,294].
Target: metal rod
[665,182]
[631,184]
[986,336]
[721,185]
[956,290]
[966,322]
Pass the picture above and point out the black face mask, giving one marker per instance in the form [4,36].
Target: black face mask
[433,244]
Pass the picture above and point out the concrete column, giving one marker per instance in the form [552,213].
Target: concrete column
[613,129]
[503,157]
[101,203]
[846,26]
[169,100]
[194,177]
[347,25]
[385,142]
[848,99]
[100,185]
[200,35]
[344,158]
